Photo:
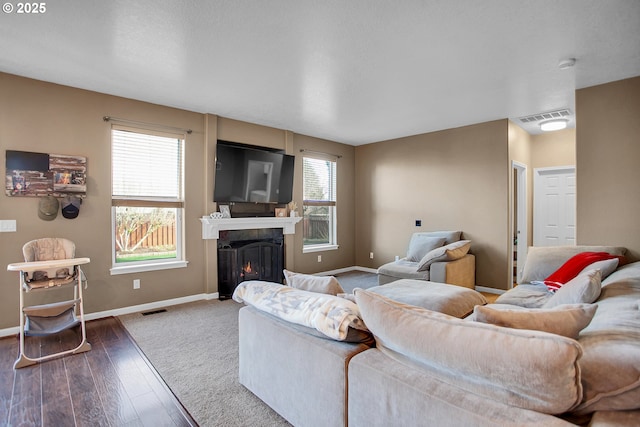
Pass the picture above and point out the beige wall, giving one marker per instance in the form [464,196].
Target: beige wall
[551,149]
[453,179]
[345,205]
[48,118]
[608,154]
[520,152]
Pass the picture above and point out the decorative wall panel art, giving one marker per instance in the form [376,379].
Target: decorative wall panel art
[38,174]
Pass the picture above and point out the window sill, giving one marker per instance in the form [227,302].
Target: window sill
[319,248]
[138,268]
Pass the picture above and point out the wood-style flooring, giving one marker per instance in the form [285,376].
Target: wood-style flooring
[112,385]
[490,297]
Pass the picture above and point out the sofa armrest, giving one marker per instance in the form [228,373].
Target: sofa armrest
[461,272]
[299,375]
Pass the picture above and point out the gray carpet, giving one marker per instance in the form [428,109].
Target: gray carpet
[194,348]
[357,279]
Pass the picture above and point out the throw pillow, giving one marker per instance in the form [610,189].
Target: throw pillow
[606,266]
[585,288]
[539,372]
[450,252]
[421,244]
[307,282]
[544,260]
[573,267]
[566,320]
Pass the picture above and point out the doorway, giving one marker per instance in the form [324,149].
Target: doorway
[519,229]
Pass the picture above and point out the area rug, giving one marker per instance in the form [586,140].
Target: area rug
[194,348]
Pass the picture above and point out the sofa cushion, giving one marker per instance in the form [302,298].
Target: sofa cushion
[611,362]
[452,300]
[585,288]
[606,267]
[421,244]
[403,269]
[544,260]
[566,320]
[573,267]
[308,282]
[530,295]
[539,371]
[450,252]
[449,236]
[330,315]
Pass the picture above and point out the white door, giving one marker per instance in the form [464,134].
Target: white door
[554,204]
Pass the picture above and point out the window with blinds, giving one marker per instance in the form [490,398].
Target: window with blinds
[147,199]
[319,204]
[146,166]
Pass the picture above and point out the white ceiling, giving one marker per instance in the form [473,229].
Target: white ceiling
[352,71]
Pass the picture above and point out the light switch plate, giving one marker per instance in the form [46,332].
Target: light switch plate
[8,225]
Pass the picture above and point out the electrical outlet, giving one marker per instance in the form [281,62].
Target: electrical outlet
[371,255]
[319,258]
[418,223]
[136,283]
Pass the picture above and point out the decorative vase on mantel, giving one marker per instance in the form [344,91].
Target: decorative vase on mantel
[292,208]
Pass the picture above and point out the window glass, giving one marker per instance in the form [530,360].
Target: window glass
[147,198]
[319,203]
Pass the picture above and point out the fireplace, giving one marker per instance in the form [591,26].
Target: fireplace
[256,254]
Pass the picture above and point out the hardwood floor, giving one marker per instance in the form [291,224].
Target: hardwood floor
[111,385]
[490,297]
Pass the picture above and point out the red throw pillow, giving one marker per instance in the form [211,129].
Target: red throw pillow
[573,267]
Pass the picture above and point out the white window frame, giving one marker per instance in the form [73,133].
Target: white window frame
[158,264]
[332,204]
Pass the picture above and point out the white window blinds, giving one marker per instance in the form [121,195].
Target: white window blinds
[319,182]
[146,166]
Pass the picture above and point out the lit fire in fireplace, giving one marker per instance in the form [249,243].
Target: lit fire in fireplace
[248,272]
[247,268]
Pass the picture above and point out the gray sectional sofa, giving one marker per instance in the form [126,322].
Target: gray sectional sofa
[430,369]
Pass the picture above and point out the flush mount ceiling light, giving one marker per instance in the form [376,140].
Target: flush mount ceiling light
[555,124]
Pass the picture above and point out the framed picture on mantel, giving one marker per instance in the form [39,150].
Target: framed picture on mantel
[281,212]
[224,210]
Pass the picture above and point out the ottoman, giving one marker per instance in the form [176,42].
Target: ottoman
[448,299]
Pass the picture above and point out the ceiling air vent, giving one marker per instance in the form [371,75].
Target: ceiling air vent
[558,114]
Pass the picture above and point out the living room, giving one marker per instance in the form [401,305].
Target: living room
[380,221]
[452,178]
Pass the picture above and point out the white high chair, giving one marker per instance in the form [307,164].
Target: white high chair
[50,264]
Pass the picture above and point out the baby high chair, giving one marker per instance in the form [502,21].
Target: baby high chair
[50,264]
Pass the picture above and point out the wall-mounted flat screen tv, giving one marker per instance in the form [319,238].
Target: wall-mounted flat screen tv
[251,174]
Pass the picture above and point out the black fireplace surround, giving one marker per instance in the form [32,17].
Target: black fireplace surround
[256,254]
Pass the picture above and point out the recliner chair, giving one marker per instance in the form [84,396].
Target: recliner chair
[436,256]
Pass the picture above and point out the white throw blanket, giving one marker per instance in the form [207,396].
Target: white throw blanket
[328,314]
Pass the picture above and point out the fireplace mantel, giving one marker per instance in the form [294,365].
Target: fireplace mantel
[211,227]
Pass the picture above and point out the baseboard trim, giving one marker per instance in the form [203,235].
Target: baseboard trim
[346,270]
[129,310]
[199,297]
